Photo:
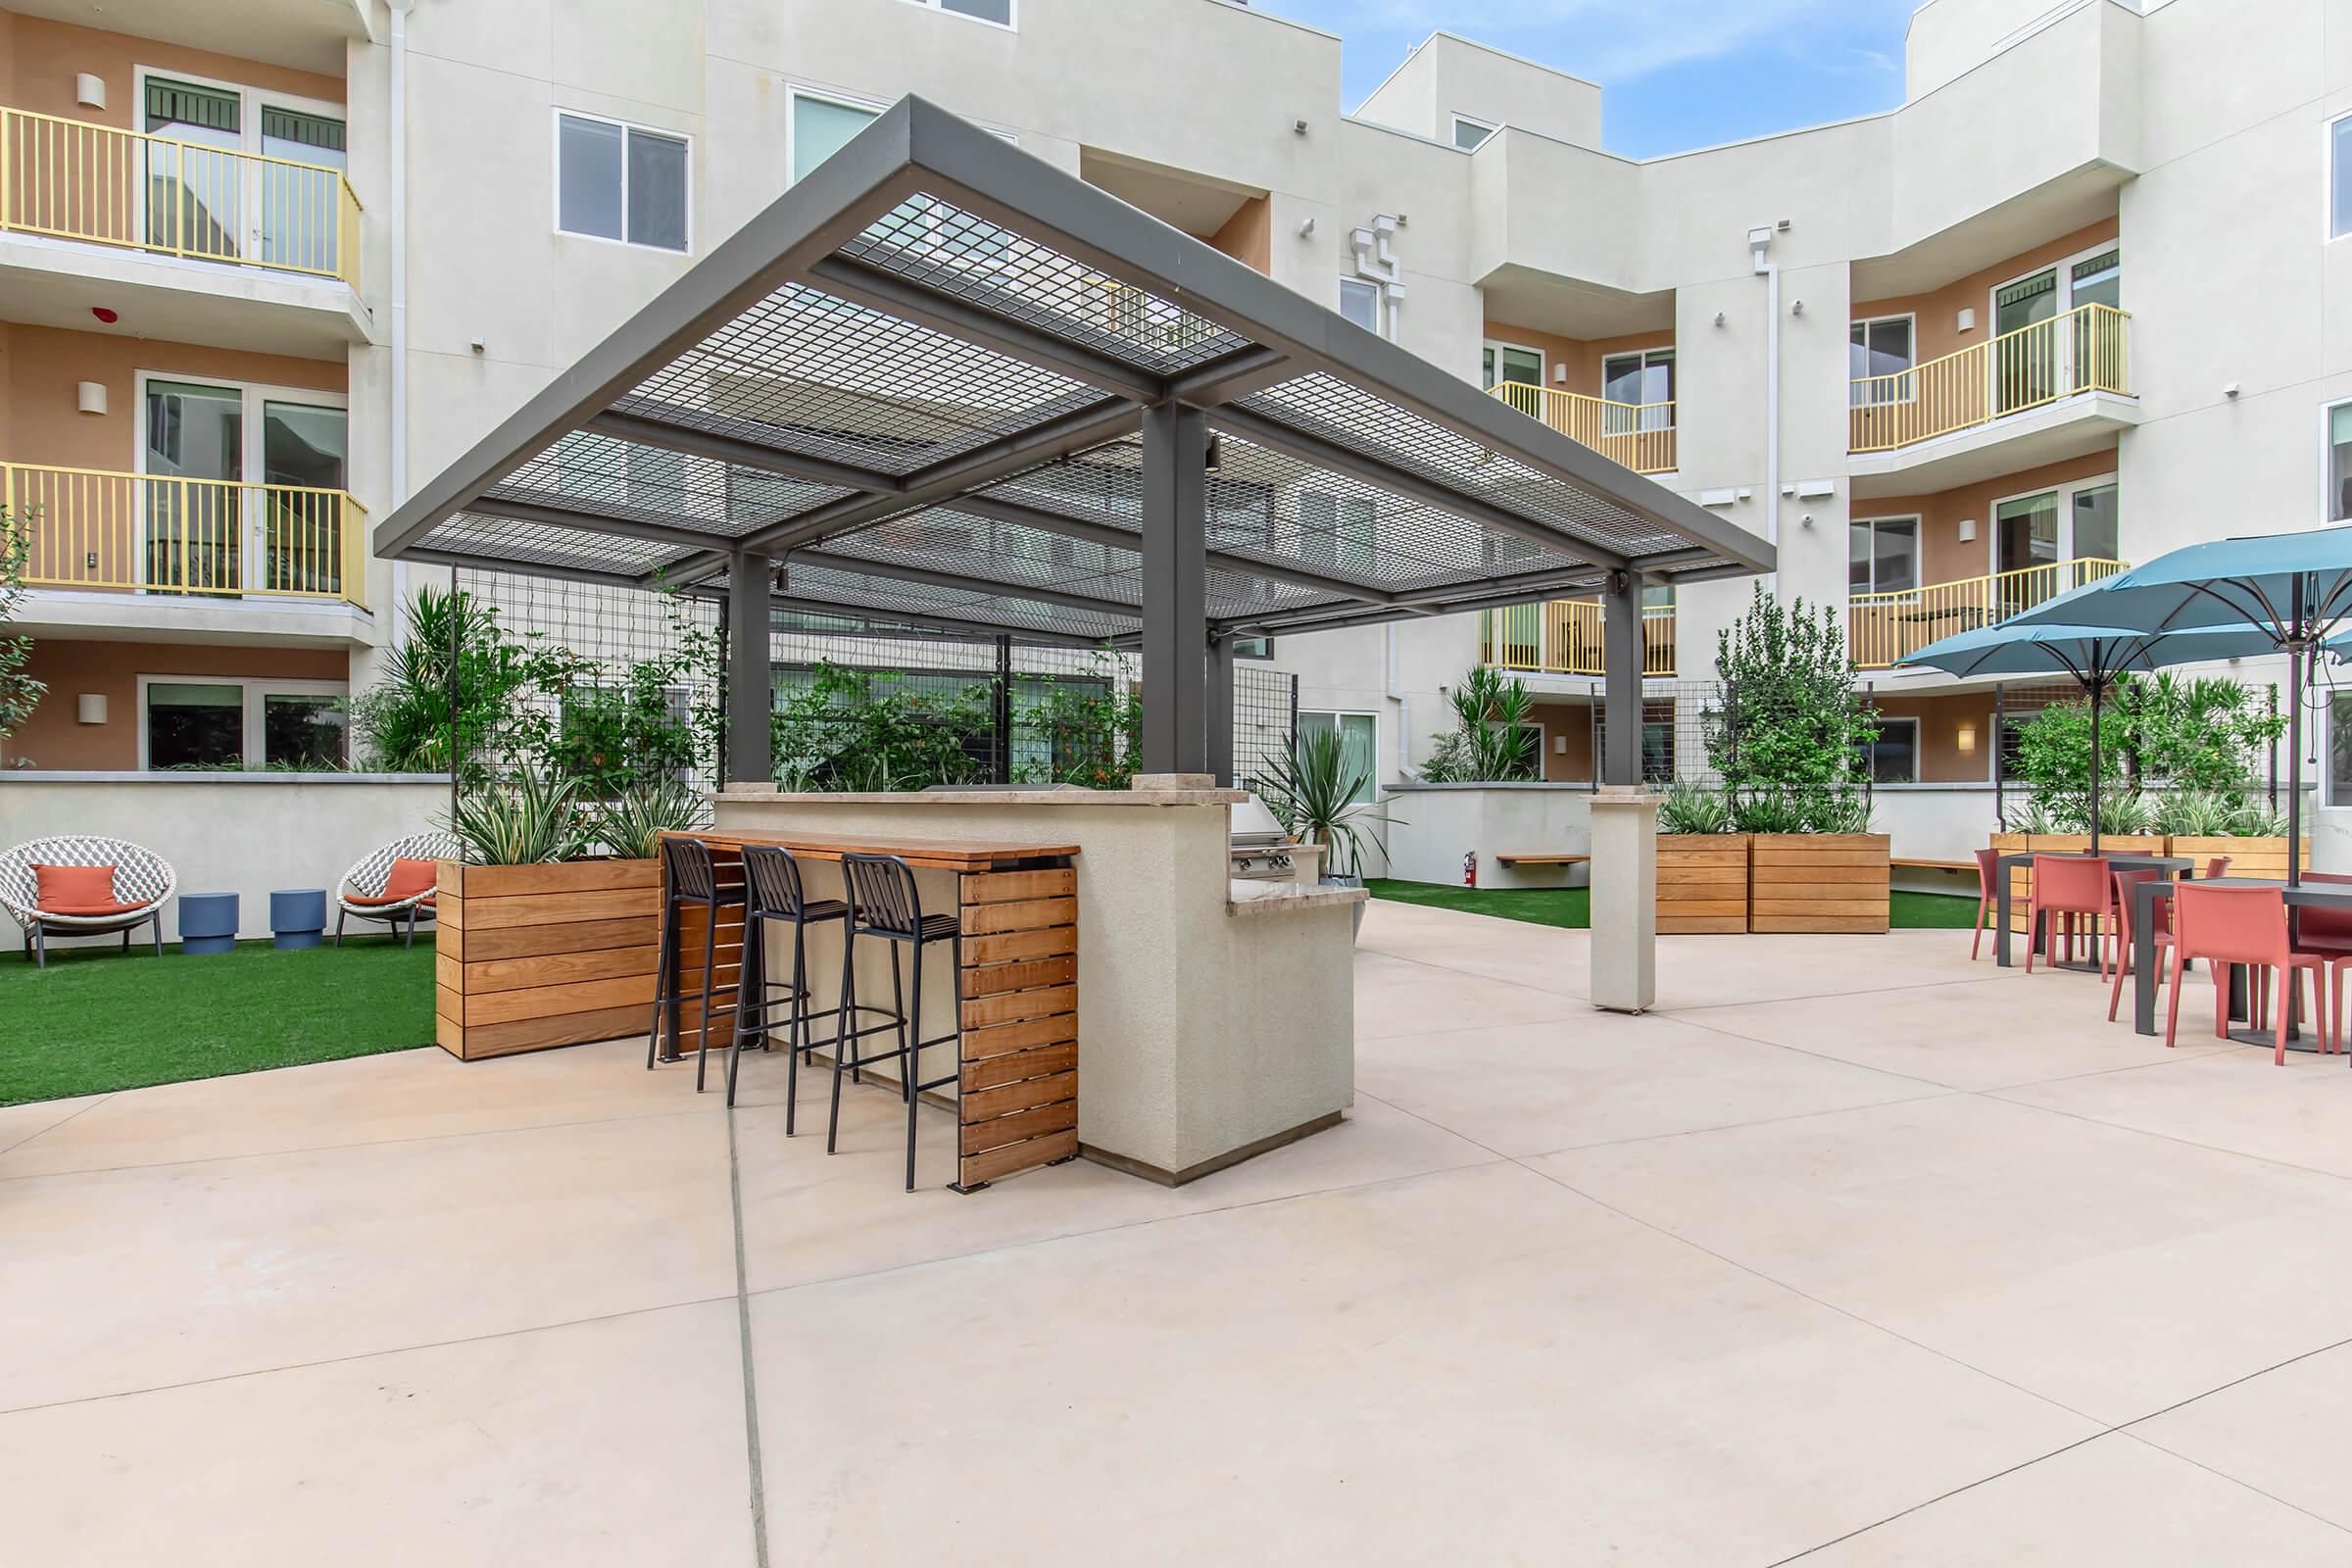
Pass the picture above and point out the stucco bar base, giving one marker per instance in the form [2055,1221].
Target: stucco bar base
[1625,899]
[1207,1031]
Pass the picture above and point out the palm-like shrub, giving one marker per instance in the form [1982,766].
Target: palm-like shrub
[529,820]
[1314,793]
[1690,808]
[631,826]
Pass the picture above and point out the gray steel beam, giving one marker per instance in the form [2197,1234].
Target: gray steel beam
[596,522]
[1257,428]
[1175,485]
[751,684]
[1621,680]
[879,622]
[1236,375]
[646,430]
[904,571]
[1219,698]
[521,569]
[945,313]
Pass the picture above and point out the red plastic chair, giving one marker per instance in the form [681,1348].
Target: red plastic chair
[1989,883]
[2071,884]
[2248,926]
[2328,933]
[2160,920]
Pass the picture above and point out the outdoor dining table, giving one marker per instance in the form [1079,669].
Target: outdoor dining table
[2024,860]
[2324,895]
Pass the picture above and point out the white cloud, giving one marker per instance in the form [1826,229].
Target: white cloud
[1619,40]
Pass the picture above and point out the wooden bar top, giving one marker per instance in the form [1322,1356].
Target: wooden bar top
[938,855]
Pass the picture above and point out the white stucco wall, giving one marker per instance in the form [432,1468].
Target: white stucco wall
[1435,824]
[241,833]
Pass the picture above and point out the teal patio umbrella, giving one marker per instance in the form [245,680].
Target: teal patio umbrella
[2093,655]
[2292,590]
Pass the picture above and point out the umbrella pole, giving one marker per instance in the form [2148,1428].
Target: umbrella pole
[2294,765]
[2097,690]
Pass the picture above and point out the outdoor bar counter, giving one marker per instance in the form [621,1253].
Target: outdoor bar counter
[1213,1019]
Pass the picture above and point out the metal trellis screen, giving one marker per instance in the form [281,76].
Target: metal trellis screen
[1265,721]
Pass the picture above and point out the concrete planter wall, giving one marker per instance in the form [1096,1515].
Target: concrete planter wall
[1818,882]
[1702,883]
[1437,824]
[537,956]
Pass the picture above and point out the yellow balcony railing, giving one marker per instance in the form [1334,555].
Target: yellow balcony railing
[1637,435]
[69,179]
[2088,349]
[1882,630]
[160,534]
[1563,637]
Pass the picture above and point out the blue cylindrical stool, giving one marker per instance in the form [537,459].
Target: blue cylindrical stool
[297,917]
[208,922]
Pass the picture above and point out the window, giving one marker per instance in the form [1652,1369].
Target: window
[1646,379]
[2339,749]
[1253,648]
[1894,756]
[242,724]
[1361,302]
[2072,522]
[1338,531]
[998,11]
[198,195]
[821,127]
[1359,736]
[1504,362]
[2339,178]
[2339,462]
[620,182]
[2097,529]
[210,536]
[1882,554]
[1470,134]
[1879,360]
[2097,280]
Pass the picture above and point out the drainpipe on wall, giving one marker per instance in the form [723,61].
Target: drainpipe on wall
[1404,704]
[1759,244]
[397,130]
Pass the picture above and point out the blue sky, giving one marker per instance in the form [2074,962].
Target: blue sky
[1675,73]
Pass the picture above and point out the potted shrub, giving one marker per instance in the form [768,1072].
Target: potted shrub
[539,944]
[2203,824]
[1788,736]
[1702,863]
[1320,795]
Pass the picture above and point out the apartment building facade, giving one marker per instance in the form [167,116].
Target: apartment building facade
[2073,302]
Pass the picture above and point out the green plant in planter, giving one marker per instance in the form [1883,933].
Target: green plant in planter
[1494,736]
[1690,808]
[2126,815]
[1314,793]
[530,820]
[632,826]
[2034,817]
[1789,729]
[2195,814]
[1767,814]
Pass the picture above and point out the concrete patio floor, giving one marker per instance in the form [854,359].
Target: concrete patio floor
[1856,1252]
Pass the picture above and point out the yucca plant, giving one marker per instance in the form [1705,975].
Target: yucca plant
[1843,812]
[2257,822]
[2126,815]
[1766,814]
[2034,817]
[2195,815]
[1314,795]
[1691,807]
[529,820]
[632,826]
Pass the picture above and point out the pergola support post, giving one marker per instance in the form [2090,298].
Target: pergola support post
[1175,561]
[1219,697]
[1625,821]
[749,683]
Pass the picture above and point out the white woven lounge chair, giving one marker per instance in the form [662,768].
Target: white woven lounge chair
[360,891]
[143,882]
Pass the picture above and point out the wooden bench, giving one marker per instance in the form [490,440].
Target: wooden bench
[1543,858]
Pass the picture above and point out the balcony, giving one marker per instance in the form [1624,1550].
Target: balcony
[167,543]
[181,241]
[2041,393]
[1563,637]
[1637,435]
[1882,630]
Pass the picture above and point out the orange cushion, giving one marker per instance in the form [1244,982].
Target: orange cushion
[408,879]
[89,911]
[75,889]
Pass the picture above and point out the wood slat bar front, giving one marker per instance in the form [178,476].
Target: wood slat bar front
[1016,994]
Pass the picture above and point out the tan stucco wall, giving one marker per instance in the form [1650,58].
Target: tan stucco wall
[1247,236]
[1943,558]
[40,60]
[53,739]
[1582,355]
[1940,759]
[1936,329]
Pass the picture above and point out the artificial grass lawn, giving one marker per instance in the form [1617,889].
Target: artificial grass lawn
[1572,907]
[95,1020]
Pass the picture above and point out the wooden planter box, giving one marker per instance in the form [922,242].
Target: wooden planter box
[2020,884]
[2265,858]
[1818,882]
[529,957]
[1702,883]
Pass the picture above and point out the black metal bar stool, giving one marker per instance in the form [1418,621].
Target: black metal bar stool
[884,904]
[688,881]
[772,880]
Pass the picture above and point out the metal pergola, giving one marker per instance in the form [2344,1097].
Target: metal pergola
[940,383]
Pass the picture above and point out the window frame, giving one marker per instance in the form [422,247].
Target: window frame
[1337,713]
[1918,552]
[1670,406]
[794,92]
[1497,347]
[1457,121]
[252,691]
[1882,723]
[1909,374]
[2063,490]
[2327,479]
[252,413]
[2328,233]
[628,129]
[1013,13]
[1380,301]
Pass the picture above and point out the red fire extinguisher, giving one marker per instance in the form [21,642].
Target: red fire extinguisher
[1470,868]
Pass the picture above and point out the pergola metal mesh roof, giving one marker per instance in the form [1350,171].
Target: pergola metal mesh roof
[912,389]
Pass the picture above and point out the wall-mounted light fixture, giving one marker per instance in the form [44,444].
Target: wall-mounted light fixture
[90,396]
[1965,738]
[90,708]
[1968,319]
[1560,746]
[89,91]
[1968,530]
